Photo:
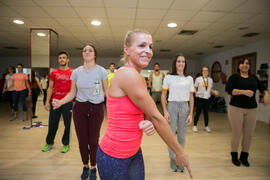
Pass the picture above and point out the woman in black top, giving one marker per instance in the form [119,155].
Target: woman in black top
[242,109]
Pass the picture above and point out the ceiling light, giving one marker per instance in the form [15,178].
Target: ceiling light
[172,25]
[96,23]
[41,34]
[17,21]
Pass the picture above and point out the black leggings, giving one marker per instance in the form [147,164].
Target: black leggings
[202,104]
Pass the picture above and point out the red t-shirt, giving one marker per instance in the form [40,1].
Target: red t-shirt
[62,82]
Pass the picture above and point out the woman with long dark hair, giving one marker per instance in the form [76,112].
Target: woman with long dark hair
[179,109]
[242,112]
[36,90]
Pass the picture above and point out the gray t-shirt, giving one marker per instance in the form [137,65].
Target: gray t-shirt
[89,84]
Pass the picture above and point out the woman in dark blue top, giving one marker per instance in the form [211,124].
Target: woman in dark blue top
[242,109]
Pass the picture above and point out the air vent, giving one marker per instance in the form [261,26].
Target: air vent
[165,50]
[11,48]
[218,46]
[250,34]
[200,53]
[187,32]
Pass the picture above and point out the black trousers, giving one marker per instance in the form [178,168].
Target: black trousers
[54,117]
[202,104]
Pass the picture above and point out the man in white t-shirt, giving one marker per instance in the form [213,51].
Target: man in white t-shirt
[203,89]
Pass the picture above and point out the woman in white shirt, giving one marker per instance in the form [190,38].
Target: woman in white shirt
[179,109]
[8,82]
[203,89]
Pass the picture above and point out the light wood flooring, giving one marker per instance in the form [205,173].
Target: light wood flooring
[21,157]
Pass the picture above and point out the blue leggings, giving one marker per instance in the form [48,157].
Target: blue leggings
[110,168]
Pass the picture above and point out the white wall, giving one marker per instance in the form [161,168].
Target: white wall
[263,56]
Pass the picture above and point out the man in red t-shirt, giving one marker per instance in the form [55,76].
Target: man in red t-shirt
[59,87]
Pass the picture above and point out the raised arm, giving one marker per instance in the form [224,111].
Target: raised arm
[49,95]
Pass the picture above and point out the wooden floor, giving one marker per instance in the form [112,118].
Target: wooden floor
[209,153]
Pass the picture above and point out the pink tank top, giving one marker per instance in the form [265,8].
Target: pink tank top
[123,135]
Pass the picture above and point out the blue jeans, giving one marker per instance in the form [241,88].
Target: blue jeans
[110,168]
[19,95]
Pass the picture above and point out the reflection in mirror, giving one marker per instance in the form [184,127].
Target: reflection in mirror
[44,45]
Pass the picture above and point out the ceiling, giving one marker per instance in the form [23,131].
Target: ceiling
[217,23]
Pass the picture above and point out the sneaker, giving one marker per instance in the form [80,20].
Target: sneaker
[47,147]
[173,165]
[65,149]
[93,175]
[195,129]
[207,129]
[85,173]
[180,169]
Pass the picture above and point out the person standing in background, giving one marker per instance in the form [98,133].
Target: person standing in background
[111,73]
[8,82]
[155,83]
[179,109]
[242,112]
[59,87]
[44,84]
[20,84]
[36,90]
[203,89]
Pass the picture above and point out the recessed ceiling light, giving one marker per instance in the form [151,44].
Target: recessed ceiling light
[96,23]
[172,25]
[41,34]
[17,21]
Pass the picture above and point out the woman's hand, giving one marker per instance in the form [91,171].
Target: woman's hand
[148,127]
[189,120]
[182,160]
[248,93]
[56,103]
[167,116]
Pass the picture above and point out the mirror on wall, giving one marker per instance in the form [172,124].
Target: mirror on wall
[44,46]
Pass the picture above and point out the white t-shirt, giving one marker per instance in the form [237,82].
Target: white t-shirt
[43,83]
[9,80]
[204,86]
[179,87]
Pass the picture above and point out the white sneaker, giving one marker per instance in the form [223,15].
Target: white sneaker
[207,129]
[195,129]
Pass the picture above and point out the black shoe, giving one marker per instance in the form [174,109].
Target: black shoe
[244,159]
[235,160]
[85,173]
[34,116]
[93,175]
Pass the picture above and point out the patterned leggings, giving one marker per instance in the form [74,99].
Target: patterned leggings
[111,168]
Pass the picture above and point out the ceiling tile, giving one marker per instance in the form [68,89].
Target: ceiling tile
[44,21]
[7,12]
[91,12]
[18,2]
[124,13]
[60,12]
[87,3]
[188,5]
[221,5]
[147,23]
[150,13]
[31,11]
[196,25]
[120,4]
[70,21]
[154,4]
[121,22]
[52,3]
[103,21]
[204,16]
[235,18]
[260,20]
[252,6]
[179,15]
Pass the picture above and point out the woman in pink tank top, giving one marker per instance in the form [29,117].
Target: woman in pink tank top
[119,156]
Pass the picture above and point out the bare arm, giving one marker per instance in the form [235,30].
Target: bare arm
[191,107]
[248,93]
[266,99]
[141,98]
[164,104]
[27,86]
[105,87]
[49,95]
[38,84]
[214,92]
